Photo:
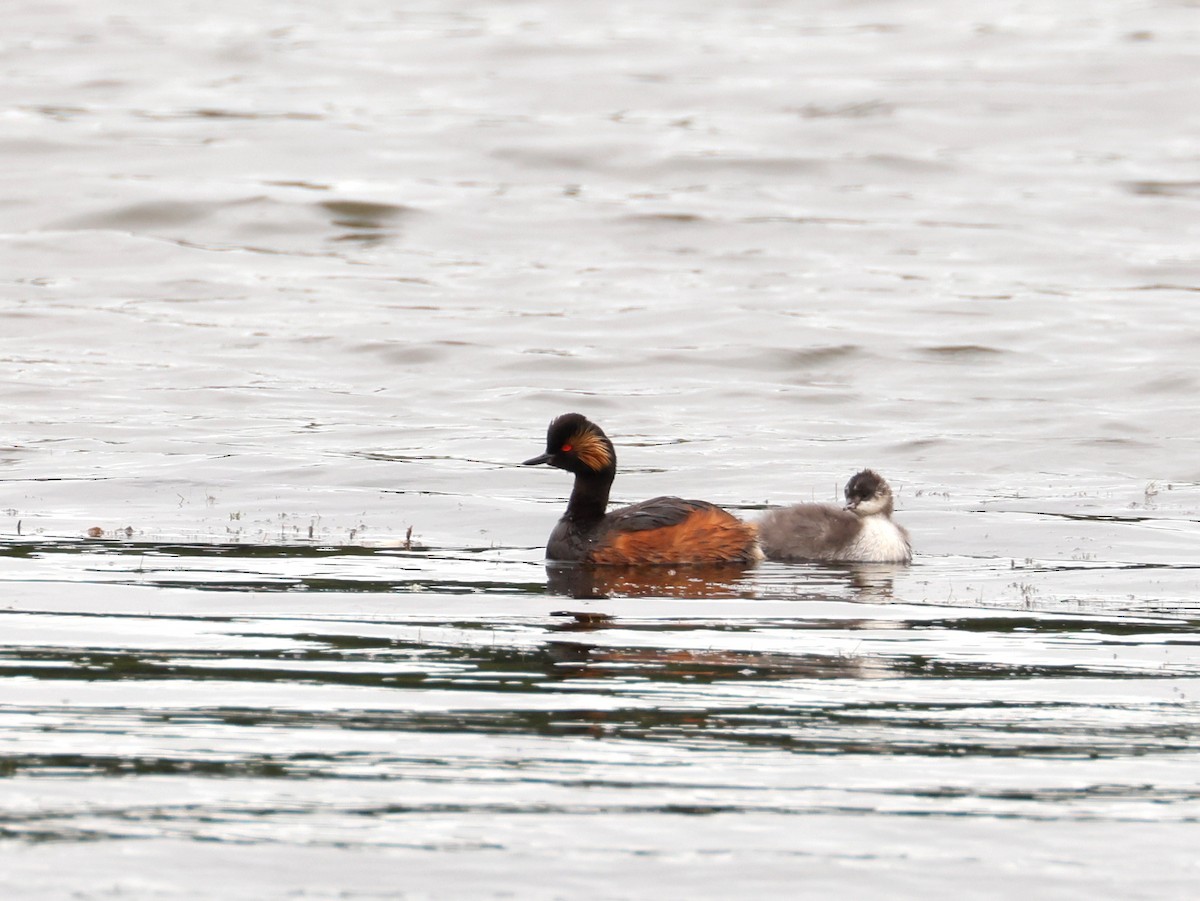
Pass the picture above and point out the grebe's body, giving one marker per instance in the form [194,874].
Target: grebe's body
[861,532]
[663,530]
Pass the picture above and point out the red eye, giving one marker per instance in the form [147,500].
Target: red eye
[566,448]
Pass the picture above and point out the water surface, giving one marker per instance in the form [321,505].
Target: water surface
[289,291]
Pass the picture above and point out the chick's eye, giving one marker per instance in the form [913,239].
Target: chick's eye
[566,448]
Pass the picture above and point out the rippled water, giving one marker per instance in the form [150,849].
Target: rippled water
[288,292]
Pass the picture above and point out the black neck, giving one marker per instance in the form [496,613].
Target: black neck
[589,497]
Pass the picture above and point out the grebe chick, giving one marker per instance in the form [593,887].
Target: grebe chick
[663,530]
[861,532]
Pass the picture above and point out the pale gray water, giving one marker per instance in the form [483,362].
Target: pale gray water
[285,280]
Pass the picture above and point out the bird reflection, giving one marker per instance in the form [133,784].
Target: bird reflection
[866,582]
[577,660]
[693,581]
[873,581]
[863,581]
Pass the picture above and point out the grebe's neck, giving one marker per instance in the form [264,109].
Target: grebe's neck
[589,497]
[888,508]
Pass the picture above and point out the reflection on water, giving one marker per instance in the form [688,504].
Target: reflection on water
[868,581]
[581,660]
[694,581]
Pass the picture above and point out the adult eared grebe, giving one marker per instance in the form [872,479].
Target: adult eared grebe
[663,530]
[861,532]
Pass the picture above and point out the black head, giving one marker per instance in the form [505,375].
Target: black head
[868,492]
[578,445]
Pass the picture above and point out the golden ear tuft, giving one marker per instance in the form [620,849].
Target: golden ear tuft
[591,449]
